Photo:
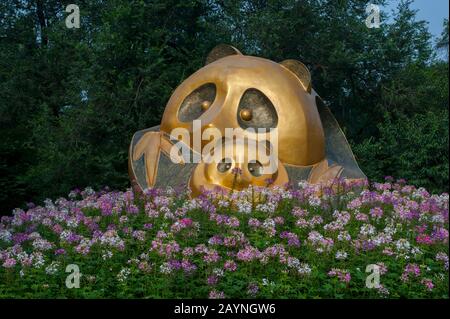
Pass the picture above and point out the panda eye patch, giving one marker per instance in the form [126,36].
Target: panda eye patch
[197,102]
[255,110]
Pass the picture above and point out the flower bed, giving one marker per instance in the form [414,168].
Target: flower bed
[389,240]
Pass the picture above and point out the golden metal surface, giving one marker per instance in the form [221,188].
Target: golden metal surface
[300,132]
[206,105]
[301,71]
[232,91]
[221,51]
[322,172]
[237,174]
[246,115]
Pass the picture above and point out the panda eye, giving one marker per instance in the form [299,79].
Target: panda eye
[255,168]
[255,110]
[224,165]
[196,103]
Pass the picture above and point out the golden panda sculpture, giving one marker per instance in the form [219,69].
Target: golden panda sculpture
[253,97]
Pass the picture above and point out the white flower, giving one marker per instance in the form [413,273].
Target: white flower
[383,290]
[341,255]
[218,272]
[424,218]
[269,223]
[415,251]
[110,238]
[390,230]
[170,191]
[72,195]
[169,215]
[314,201]
[268,207]
[402,245]
[42,244]
[165,268]
[304,269]
[293,262]
[382,238]
[38,259]
[244,206]
[266,282]
[192,204]
[438,219]
[303,184]
[123,274]
[65,234]
[52,268]
[223,203]
[144,256]
[88,191]
[344,236]
[107,254]
[5,235]
[72,223]
[123,219]
[49,204]
[367,230]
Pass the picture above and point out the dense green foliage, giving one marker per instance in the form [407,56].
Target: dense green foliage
[70,99]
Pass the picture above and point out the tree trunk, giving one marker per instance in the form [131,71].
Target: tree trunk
[42,21]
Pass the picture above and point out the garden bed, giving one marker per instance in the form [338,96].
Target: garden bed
[300,242]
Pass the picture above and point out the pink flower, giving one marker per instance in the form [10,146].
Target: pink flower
[298,212]
[212,280]
[421,229]
[188,266]
[144,266]
[428,283]
[342,274]
[57,229]
[376,212]
[230,265]
[424,239]
[186,222]
[214,294]
[9,263]
[440,234]
[132,209]
[254,223]
[215,240]
[252,289]
[388,251]
[361,217]
[248,254]
[291,237]
[188,251]
[106,206]
[60,251]
[211,256]
[442,257]
[279,220]
[410,269]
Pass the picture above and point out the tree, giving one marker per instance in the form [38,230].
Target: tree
[442,43]
[70,99]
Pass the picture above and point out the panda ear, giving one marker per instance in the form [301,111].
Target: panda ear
[300,71]
[220,51]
